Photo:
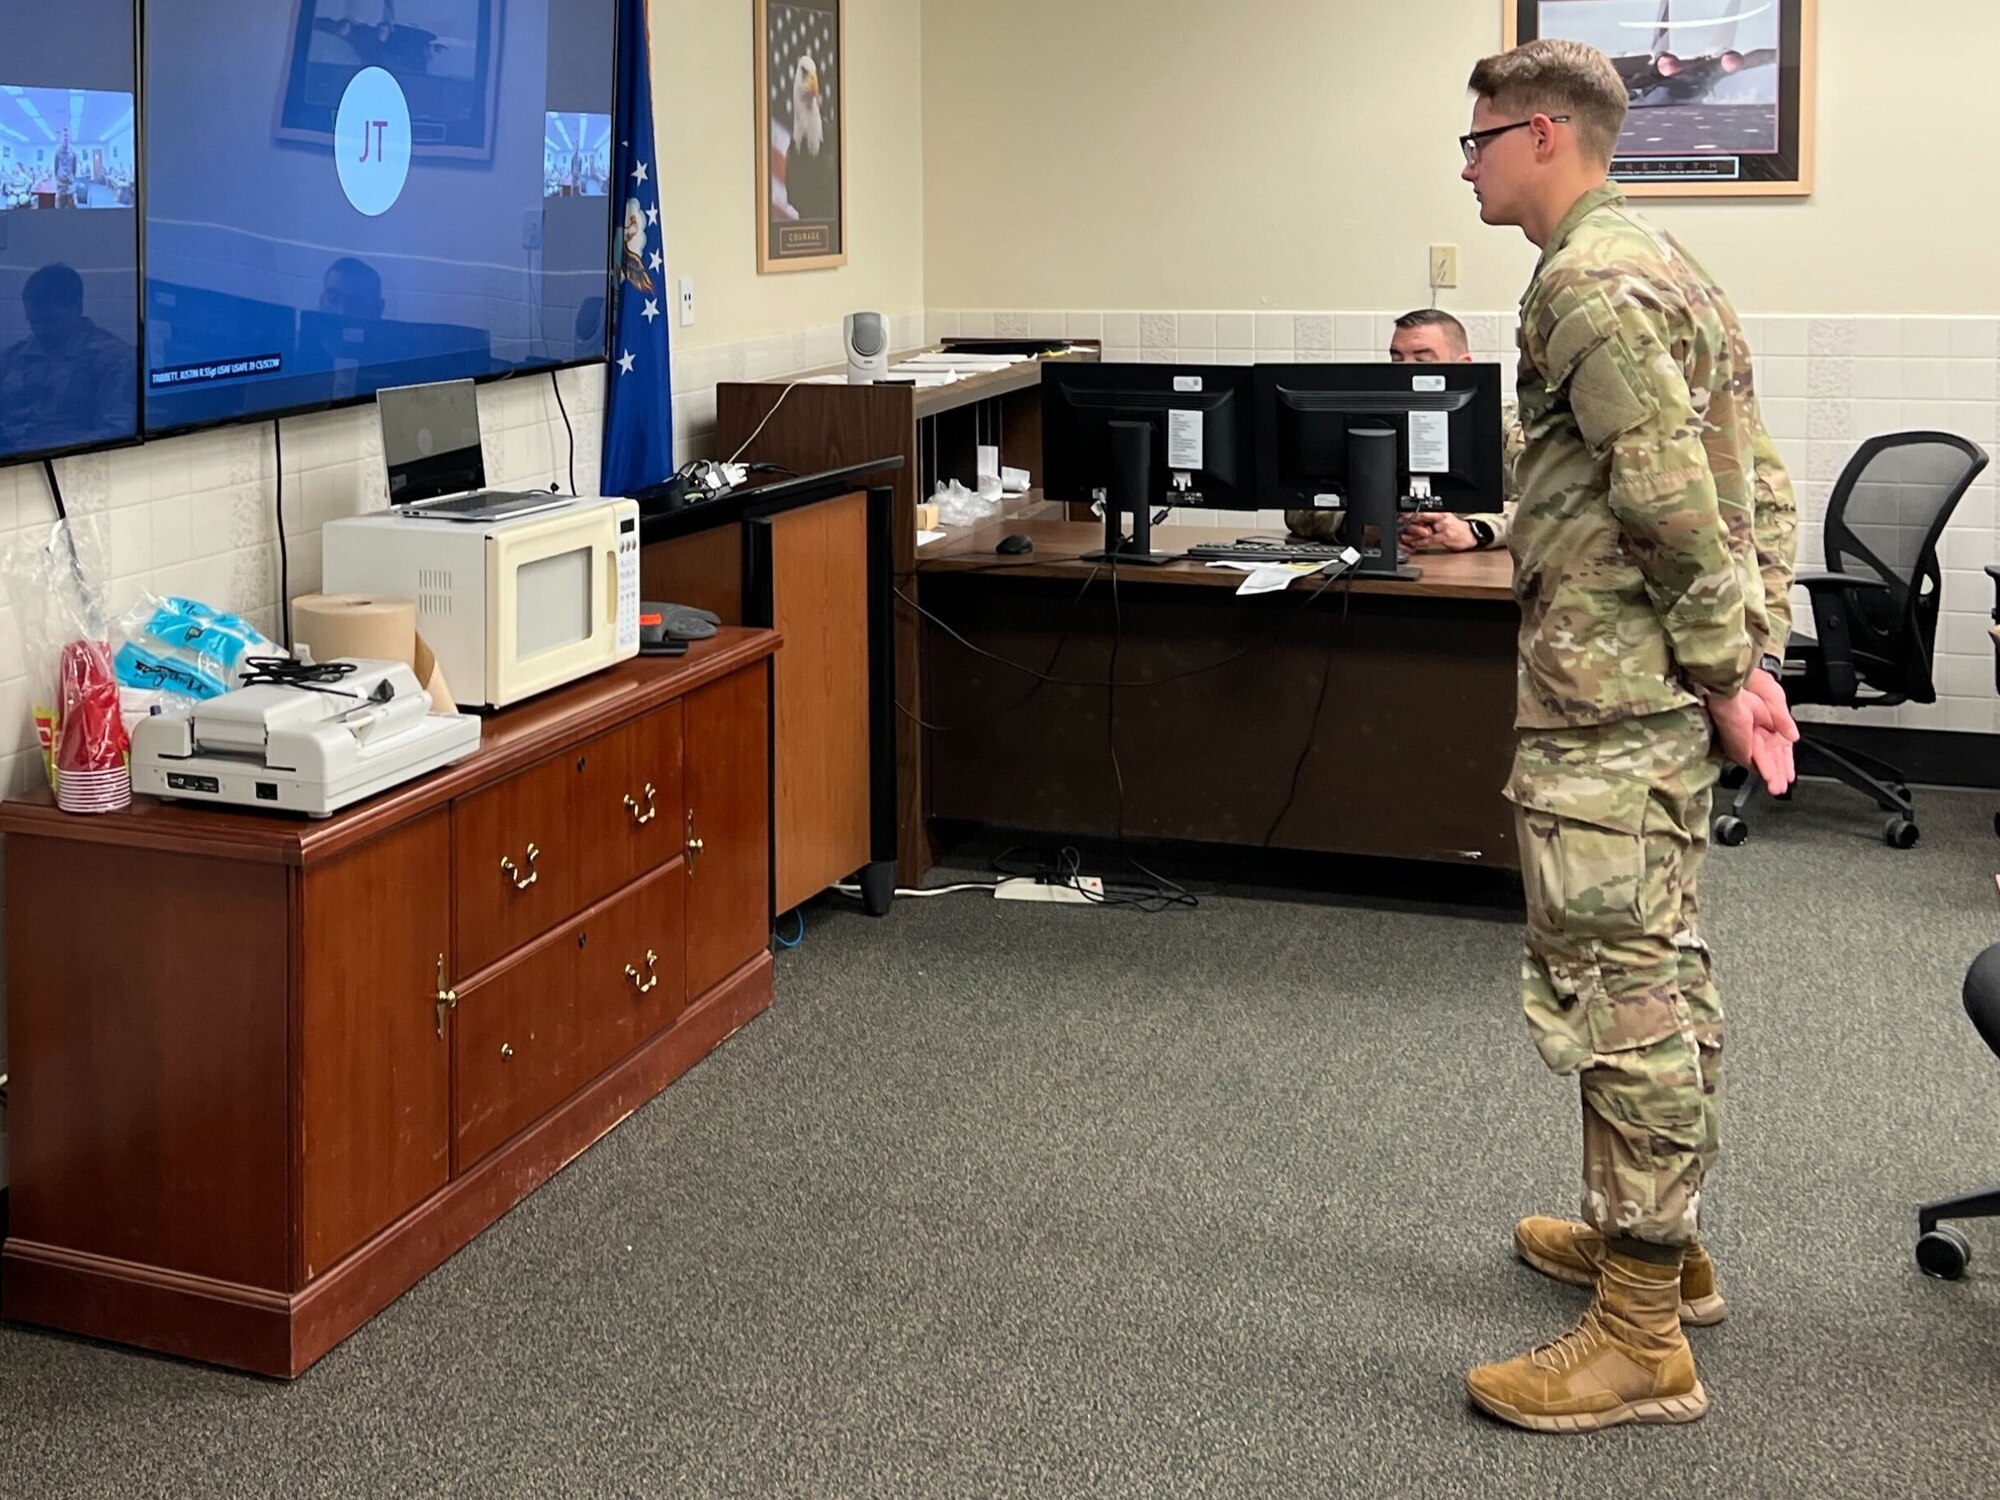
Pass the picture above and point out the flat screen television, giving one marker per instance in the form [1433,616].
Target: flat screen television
[343,195]
[69,230]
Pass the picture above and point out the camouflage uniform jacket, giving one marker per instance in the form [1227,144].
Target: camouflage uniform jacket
[1331,525]
[1654,539]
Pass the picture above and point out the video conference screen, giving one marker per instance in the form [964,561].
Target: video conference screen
[343,195]
[69,234]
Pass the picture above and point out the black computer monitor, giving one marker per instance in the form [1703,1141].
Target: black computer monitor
[1366,437]
[1141,436]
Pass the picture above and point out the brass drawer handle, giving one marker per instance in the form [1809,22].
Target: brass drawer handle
[447,998]
[641,819]
[513,871]
[506,1051]
[694,845]
[652,972]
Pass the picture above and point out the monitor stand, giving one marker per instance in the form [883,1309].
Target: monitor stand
[1371,501]
[1131,483]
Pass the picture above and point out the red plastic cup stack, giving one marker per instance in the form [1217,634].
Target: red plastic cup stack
[93,774]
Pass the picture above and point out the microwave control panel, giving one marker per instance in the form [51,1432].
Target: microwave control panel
[628,585]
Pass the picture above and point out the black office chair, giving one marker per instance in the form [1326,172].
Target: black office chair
[1875,610]
[1993,572]
[1943,1252]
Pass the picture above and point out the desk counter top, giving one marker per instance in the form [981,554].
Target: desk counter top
[1059,544]
[929,400]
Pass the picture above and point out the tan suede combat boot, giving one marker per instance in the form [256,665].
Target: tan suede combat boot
[1569,1251]
[1625,1361]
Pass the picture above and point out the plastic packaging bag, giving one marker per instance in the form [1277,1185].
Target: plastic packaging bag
[959,506]
[185,647]
[59,608]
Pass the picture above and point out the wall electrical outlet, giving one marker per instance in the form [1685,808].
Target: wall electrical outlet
[1444,265]
[687,302]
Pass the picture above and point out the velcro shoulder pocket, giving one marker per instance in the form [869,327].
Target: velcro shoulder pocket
[1592,360]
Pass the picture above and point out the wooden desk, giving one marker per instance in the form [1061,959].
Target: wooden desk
[1223,696]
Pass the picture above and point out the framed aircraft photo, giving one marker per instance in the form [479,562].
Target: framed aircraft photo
[1721,90]
[800,115]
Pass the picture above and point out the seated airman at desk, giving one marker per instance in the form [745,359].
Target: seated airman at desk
[1431,336]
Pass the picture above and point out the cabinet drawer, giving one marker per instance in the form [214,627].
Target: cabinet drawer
[535,1031]
[632,972]
[628,801]
[519,1046]
[515,848]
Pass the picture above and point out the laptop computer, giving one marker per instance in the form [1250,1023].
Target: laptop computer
[430,442]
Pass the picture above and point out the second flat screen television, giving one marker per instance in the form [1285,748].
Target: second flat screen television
[343,195]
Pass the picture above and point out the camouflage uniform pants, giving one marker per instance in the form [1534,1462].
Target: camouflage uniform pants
[1613,827]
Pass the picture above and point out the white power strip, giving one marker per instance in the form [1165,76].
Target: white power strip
[1087,890]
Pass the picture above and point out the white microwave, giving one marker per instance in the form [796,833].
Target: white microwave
[510,608]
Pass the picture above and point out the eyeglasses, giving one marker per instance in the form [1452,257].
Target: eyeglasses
[1473,144]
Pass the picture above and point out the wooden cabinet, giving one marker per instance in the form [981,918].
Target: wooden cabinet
[728,822]
[320,1057]
[374,1119]
[938,431]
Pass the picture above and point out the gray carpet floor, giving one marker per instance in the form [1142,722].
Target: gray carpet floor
[1010,1200]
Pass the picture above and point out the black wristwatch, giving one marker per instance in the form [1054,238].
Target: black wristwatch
[1482,531]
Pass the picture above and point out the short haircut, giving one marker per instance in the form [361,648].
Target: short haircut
[54,286]
[1437,317]
[1550,76]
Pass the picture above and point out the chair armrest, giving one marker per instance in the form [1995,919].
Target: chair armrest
[1814,583]
[1993,572]
[1830,593]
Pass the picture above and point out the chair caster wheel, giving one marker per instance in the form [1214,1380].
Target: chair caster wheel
[1730,832]
[1899,833]
[1943,1253]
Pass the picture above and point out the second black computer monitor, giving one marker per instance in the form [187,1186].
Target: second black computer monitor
[1372,439]
[1445,419]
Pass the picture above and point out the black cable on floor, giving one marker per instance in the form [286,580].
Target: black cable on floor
[1164,894]
[556,386]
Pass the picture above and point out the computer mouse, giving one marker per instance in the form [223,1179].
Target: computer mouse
[1013,546]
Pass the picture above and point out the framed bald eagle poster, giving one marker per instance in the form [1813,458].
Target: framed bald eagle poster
[1721,91]
[801,115]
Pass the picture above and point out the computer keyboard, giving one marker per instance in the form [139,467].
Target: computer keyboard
[1262,549]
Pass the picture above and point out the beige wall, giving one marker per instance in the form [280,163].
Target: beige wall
[1301,153]
[704,91]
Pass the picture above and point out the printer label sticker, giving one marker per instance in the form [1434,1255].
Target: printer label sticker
[1184,440]
[1427,382]
[1430,442]
[1188,385]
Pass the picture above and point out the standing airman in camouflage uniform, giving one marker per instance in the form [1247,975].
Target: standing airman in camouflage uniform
[1653,551]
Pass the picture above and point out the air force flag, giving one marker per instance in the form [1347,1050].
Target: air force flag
[638,404]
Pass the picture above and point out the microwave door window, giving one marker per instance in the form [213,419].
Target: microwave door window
[552,597]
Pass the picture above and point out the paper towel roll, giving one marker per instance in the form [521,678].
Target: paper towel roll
[377,626]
